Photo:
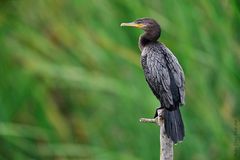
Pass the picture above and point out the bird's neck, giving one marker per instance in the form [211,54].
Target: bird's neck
[148,37]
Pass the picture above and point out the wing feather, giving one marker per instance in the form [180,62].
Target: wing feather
[177,72]
[158,77]
[159,63]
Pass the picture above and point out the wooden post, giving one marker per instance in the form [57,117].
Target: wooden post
[166,144]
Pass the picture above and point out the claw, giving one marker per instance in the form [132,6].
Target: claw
[159,111]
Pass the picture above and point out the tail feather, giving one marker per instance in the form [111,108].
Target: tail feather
[174,125]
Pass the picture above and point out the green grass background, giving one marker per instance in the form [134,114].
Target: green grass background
[71,84]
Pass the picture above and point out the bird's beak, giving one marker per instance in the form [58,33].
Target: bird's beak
[132,24]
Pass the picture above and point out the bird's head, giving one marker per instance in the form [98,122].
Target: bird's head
[146,24]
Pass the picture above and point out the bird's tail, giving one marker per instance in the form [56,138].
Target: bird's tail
[174,125]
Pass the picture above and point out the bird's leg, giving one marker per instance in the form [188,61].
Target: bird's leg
[156,113]
[158,118]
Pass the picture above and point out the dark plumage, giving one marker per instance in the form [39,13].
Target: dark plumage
[163,74]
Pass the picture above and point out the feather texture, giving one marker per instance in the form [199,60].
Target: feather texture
[163,74]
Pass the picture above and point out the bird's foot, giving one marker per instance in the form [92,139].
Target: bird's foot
[159,112]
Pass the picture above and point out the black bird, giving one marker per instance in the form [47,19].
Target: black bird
[163,74]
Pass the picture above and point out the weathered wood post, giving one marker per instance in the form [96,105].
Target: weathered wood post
[166,144]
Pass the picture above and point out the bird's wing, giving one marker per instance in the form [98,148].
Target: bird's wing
[177,72]
[159,78]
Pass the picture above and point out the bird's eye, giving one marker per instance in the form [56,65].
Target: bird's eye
[138,21]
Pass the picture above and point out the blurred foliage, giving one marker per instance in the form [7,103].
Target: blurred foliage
[71,84]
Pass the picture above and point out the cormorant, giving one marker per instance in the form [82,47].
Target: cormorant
[163,74]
